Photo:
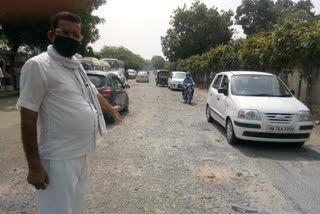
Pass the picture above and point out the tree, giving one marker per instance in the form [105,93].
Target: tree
[33,32]
[130,59]
[158,62]
[255,16]
[195,31]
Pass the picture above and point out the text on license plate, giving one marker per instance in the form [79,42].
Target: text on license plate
[281,128]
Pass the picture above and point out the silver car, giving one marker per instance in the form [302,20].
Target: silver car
[142,76]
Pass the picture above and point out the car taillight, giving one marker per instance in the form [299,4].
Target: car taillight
[106,93]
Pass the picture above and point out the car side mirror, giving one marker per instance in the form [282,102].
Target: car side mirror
[292,92]
[223,91]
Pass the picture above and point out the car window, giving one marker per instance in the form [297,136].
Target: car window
[97,80]
[217,82]
[87,66]
[258,85]
[98,67]
[225,82]
[115,82]
[179,75]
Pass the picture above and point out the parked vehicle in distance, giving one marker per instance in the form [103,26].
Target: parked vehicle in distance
[111,88]
[132,74]
[116,64]
[95,64]
[142,76]
[175,80]
[162,77]
[257,106]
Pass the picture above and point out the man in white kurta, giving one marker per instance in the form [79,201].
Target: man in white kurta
[60,104]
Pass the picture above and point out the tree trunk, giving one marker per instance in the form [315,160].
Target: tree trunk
[309,88]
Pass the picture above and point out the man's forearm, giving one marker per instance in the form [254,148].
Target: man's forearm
[104,104]
[29,138]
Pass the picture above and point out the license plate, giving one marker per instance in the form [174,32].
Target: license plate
[281,128]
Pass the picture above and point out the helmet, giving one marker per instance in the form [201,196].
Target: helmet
[188,75]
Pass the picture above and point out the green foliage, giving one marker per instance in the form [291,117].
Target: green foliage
[131,60]
[257,16]
[34,33]
[291,45]
[158,62]
[195,31]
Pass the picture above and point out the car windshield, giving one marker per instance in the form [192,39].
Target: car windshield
[113,63]
[179,75]
[163,73]
[258,85]
[86,66]
[97,80]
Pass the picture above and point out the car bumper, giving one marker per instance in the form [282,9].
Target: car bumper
[176,86]
[258,131]
[142,80]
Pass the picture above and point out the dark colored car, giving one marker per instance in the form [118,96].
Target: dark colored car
[111,88]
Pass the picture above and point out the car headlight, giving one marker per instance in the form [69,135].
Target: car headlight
[249,115]
[174,82]
[304,116]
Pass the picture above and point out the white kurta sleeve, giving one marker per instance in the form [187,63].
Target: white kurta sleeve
[33,85]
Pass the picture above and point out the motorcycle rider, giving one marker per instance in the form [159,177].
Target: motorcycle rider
[187,80]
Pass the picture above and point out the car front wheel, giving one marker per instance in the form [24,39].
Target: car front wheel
[231,137]
[208,114]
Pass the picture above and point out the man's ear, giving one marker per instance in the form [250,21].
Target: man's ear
[51,36]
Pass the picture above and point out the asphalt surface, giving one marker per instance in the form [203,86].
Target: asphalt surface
[166,158]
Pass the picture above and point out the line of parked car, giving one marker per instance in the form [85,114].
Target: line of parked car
[108,76]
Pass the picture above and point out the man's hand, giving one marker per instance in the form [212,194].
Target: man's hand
[115,113]
[112,110]
[38,178]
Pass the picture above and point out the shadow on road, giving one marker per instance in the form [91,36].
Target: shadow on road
[278,151]
[110,124]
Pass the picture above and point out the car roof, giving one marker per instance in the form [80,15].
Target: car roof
[232,73]
[179,72]
[101,73]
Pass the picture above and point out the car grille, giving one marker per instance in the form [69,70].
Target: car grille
[275,118]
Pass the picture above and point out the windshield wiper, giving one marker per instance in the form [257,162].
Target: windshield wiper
[262,95]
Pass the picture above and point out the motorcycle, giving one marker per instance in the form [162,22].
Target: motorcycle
[188,93]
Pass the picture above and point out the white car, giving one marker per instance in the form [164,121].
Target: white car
[132,74]
[257,106]
[142,76]
[175,80]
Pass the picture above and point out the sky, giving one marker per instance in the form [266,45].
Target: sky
[139,24]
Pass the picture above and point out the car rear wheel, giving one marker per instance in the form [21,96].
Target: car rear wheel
[126,108]
[208,114]
[231,137]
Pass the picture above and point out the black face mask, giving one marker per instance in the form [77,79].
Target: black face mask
[65,46]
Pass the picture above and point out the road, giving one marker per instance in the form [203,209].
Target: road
[166,158]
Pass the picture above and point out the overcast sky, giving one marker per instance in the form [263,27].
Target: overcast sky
[139,24]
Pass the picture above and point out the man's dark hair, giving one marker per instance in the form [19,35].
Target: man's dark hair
[64,16]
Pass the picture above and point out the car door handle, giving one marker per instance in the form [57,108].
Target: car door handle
[210,94]
[218,98]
